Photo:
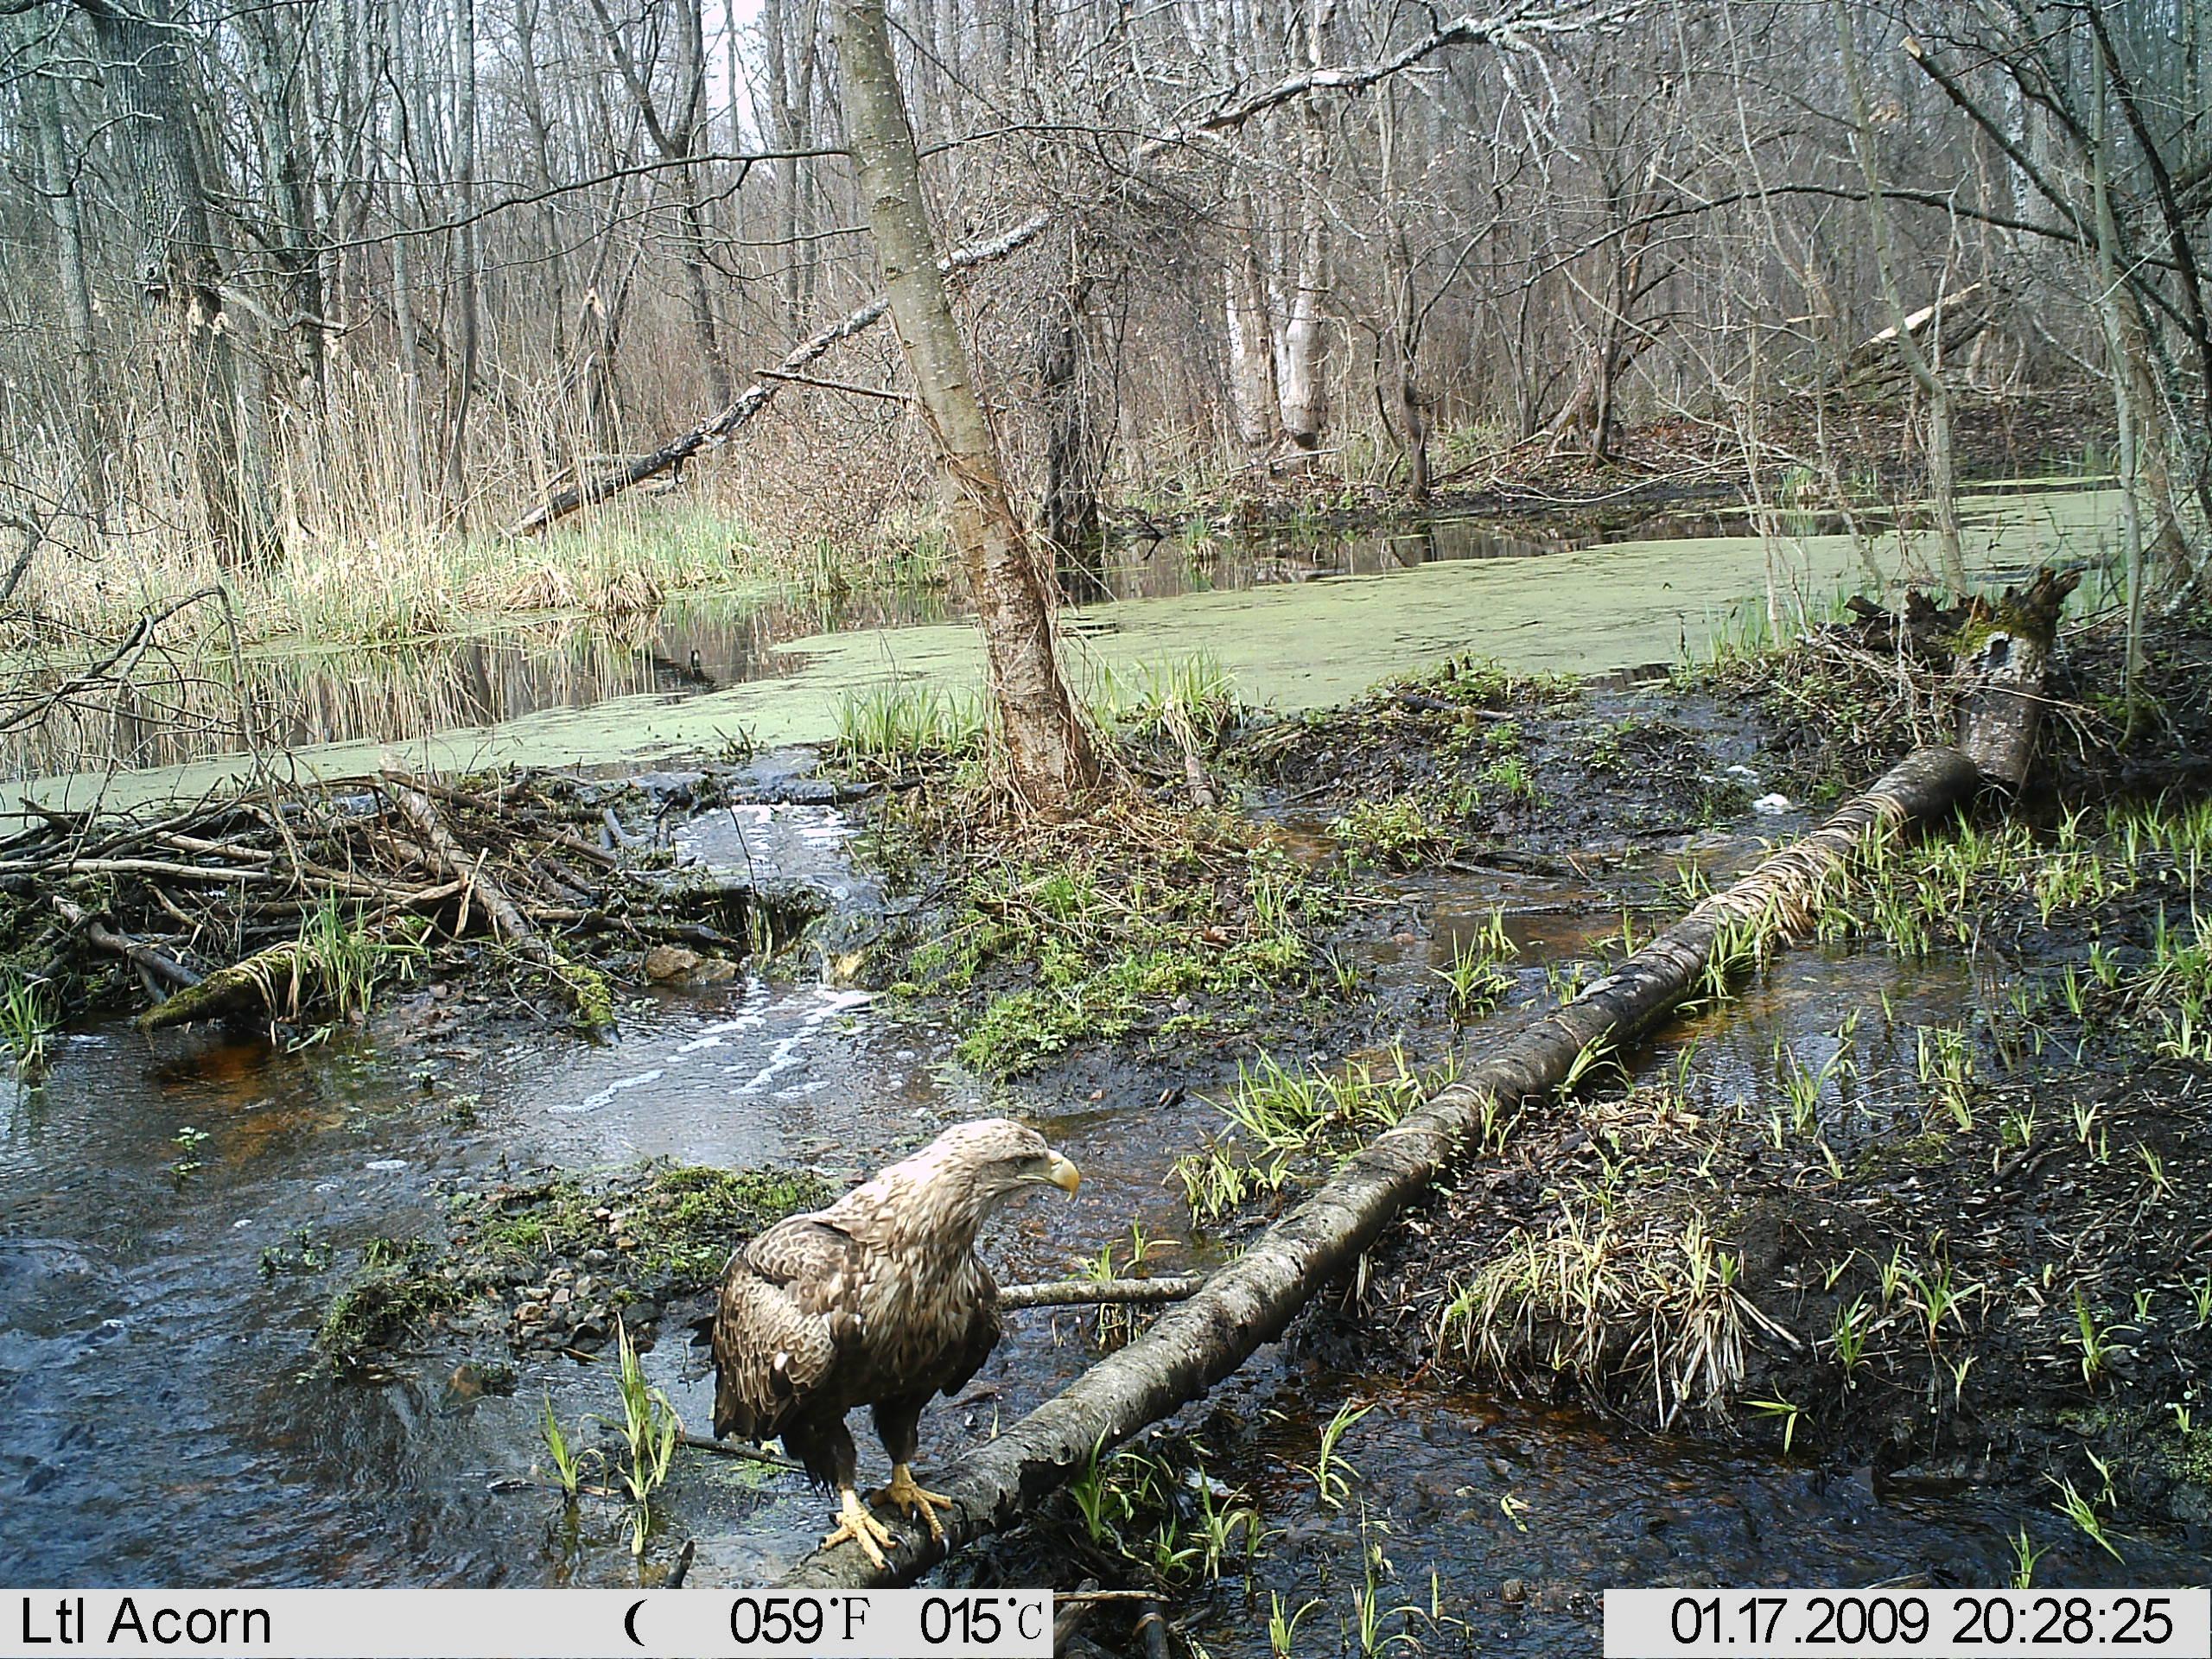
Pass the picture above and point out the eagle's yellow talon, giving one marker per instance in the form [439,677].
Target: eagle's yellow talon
[856,1524]
[909,1495]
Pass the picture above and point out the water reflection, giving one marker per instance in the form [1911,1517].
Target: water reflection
[184,705]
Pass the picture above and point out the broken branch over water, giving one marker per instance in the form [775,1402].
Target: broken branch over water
[1250,1303]
[1087,1293]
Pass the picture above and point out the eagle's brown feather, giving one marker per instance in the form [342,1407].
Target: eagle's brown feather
[877,1300]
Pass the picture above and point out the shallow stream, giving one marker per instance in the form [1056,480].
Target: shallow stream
[164,1419]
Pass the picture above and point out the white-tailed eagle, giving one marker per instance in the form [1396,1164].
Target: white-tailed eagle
[877,1300]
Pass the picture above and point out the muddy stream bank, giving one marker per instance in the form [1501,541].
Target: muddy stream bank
[168,1419]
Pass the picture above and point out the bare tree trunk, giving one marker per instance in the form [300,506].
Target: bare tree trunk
[278,54]
[1943,484]
[1252,397]
[1300,373]
[2123,397]
[465,299]
[1048,747]
[88,419]
[178,267]
[413,453]
[541,156]
[1069,510]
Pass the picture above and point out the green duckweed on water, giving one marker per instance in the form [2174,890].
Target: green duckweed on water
[1292,647]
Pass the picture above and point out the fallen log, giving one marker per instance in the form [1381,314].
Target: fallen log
[249,985]
[585,990]
[718,428]
[1197,1343]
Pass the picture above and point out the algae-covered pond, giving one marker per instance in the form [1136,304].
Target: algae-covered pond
[1300,624]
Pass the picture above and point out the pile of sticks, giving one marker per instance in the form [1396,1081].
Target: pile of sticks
[208,904]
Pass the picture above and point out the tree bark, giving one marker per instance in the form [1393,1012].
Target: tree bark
[1069,509]
[466,295]
[273,34]
[1252,395]
[1942,486]
[179,268]
[1300,369]
[89,421]
[1048,749]
[1250,1303]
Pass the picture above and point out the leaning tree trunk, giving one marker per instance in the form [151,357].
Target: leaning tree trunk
[1048,748]
[1250,1302]
[1941,480]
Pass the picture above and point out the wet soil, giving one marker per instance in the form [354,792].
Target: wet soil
[171,1416]
[1880,1132]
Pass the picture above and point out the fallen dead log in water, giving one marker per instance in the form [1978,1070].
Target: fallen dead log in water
[278,979]
[151,964]
[1197,1343]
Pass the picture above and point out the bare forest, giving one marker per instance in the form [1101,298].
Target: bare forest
[343,281]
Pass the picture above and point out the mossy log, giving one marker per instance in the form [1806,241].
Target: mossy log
[1197,1343]
[254,985]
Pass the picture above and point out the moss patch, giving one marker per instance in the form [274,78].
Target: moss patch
[396,1292]
[671,1226]
[1092,936]
[564,1254]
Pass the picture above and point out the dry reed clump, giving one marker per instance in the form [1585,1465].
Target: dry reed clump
[548,587]
[1649,1300]
[826,492]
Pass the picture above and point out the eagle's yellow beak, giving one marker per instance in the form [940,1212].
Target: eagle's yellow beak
[1063,1173]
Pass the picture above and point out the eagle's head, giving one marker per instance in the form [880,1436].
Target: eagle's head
[997,1159]
[953,1184]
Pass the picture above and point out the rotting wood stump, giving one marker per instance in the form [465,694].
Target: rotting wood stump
[1198,1342]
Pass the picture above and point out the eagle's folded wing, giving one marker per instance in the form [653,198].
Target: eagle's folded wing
[978,1337]
[785,1303]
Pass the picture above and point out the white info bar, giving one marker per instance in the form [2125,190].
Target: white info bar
[1907,1624]
[528,1624]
